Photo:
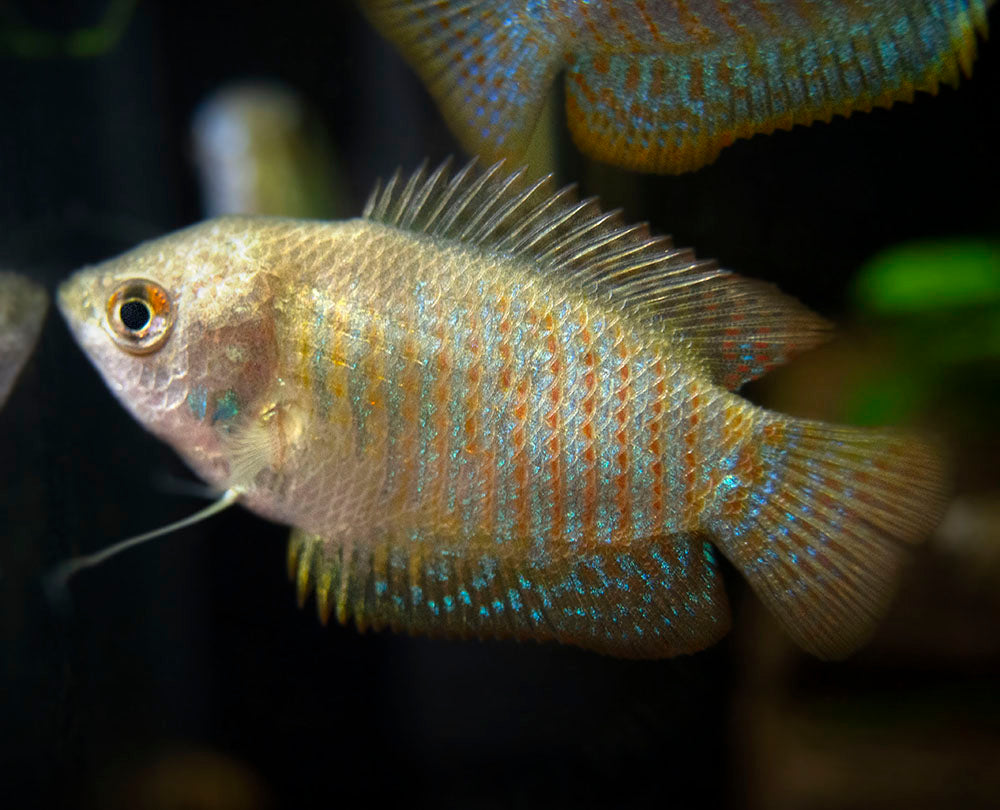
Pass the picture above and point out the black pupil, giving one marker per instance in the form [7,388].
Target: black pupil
[134,314]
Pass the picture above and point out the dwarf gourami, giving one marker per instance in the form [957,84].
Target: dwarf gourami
[22,310]
[664,85]
[490,410]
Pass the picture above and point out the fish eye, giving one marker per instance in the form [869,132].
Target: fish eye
[140,315]
[134,314]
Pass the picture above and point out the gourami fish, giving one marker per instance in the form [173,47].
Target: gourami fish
[22,310]
[490,410]
[664,85]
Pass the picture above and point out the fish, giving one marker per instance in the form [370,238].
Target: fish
[489,409]
[23,304]
[663,86]
[260,149]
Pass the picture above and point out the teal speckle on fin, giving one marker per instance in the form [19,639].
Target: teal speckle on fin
[488,64]
[821,533]
[655,599]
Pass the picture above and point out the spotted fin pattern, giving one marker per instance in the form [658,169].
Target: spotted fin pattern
[674,111]
[738,328]
[487,64]
[658,598]
[818,520]
[663,87]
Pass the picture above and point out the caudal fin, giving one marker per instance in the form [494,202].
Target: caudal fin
[823,531]
[488,65]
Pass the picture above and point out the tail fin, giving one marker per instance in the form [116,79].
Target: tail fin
[822,533]
[488,65]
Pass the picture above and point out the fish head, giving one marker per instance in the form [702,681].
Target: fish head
[181,330]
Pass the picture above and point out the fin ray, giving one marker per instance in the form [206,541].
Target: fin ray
[685,104]
[738,328]
[488,65]
[822,532]
[660,597]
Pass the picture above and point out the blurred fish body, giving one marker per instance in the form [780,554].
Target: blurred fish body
[490,410]
[664,85]
[260,149]
[22,310]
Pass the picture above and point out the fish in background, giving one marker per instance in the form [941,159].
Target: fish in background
[663,85]
[490,410]
[22,310]
[260,149]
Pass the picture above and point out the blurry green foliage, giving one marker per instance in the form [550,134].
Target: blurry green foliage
[21,39]
[937,304]
[925,276]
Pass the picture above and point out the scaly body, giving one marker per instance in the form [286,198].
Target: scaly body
[490,411]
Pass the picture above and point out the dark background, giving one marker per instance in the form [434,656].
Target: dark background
[186,664]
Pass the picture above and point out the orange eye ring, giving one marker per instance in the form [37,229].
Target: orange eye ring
[139,316]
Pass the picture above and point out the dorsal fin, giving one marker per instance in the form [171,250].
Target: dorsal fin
[739,328]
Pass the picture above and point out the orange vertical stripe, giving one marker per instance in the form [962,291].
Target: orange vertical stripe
[690,459]
[658,409]
[589,461]
[522,471]
[554,424]
[623,459]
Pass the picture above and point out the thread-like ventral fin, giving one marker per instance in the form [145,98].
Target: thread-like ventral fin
[654,599]
[737,327]
[673,110]
[822,532]
[488,65]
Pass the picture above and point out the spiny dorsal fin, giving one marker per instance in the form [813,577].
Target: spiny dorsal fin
[656,598]
[739,328]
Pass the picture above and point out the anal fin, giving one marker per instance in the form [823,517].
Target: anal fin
[658,598]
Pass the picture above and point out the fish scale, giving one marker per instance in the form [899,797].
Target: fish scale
[490,410]
[524,490]
[444,397]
